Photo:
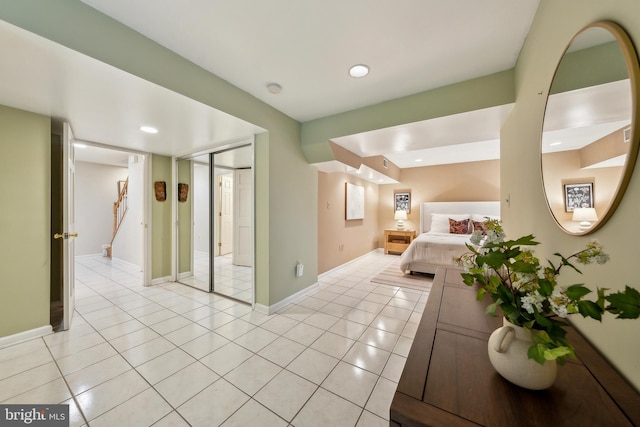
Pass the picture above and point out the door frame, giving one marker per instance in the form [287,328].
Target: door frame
[68,226]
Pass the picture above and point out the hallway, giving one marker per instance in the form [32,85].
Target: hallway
[171,355]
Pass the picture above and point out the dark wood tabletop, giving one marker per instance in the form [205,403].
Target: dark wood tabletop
[448,379]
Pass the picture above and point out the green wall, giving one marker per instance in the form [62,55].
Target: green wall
[161,219]
[25,171]
[184,218]
[556,22]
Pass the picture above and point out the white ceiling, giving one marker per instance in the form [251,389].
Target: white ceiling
[307,48]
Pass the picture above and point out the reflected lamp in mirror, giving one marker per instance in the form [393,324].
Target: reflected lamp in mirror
[585,216]
[400,216]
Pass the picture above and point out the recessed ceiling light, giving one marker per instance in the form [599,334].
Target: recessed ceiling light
[274,88]
[553,144]
[78,145]
[359,70]
[418,160]
[148,129]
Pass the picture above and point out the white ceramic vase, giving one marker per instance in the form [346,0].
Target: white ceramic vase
[508,347]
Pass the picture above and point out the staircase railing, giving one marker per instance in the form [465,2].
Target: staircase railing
[119,210]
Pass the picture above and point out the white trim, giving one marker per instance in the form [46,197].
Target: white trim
[147,194]
[25,336]
[334,269]
[161,280]
[174,219]
[184,275]
[97,254]
[127,263]
[270,309]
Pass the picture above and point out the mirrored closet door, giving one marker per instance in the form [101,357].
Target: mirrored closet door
[215,222]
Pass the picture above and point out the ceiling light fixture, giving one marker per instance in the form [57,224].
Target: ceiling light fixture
[274,88]
[553,144]
[148,129]
[418,160]
[79,145]
[359,70]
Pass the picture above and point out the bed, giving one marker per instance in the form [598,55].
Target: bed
[435,246]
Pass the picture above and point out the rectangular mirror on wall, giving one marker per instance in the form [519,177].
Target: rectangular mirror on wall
[215,222]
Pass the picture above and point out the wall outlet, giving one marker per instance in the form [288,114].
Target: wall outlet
[299,270]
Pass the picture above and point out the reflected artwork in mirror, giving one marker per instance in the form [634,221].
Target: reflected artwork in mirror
[590,138]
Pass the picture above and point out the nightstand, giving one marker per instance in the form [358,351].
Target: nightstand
[397,240]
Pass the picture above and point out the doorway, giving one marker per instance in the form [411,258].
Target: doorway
[215,222]
[102,176]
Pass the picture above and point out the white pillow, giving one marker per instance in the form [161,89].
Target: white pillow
[440,222]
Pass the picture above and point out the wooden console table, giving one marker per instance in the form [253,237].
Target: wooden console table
[449,381]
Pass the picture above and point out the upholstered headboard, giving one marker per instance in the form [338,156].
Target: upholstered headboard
[457,208]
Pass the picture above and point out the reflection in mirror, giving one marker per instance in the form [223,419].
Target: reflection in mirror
[215,223]
[589,143]
[193,222]
[233,223]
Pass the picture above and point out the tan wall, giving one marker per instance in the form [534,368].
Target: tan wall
[25,172]
[564,168]
[556,22]
[340,240]
[474,181]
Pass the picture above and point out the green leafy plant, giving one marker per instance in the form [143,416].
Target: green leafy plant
[528,293]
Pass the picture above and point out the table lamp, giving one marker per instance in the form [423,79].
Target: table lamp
[400,216]
[585,216]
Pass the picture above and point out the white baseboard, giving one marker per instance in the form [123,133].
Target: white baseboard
[270,309]
[185,275]
[25,336]
[160,280]
[334,269]
[127,263]
[99,254]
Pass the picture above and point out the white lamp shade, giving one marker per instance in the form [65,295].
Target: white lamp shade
[584,214]
[400,215]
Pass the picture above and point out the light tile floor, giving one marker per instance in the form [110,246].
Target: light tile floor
[170,355]
[231,280]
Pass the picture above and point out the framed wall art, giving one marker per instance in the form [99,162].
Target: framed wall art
[578,196]
[354,201]
[402,201]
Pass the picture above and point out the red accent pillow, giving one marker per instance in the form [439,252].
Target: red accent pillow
[480,226]
[458,227]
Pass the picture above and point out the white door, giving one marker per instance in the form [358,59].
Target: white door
[243,218]
[68,222]
[225,184]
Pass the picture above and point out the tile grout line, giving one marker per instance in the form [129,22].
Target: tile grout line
[113,291]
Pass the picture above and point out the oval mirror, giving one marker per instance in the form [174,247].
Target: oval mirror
[590,138]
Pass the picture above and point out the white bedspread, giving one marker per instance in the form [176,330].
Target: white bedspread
[434,248]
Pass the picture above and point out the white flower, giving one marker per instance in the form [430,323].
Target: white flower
[531,300]
[476,237]
[558,301]
[494,236]
[523,280]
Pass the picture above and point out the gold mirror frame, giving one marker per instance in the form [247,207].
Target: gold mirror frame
[633,73]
